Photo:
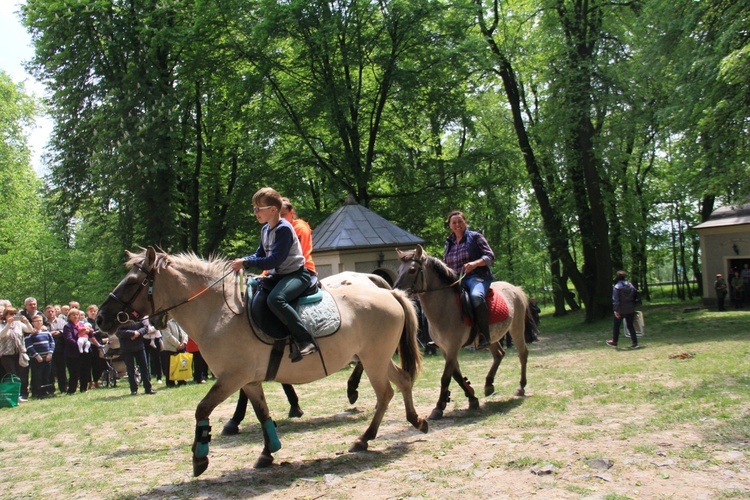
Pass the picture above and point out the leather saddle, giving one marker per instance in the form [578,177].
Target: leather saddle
[467,312]
[261,316]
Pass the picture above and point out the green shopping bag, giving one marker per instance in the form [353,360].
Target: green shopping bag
[10,388]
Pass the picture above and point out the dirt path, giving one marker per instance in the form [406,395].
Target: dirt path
[468,455]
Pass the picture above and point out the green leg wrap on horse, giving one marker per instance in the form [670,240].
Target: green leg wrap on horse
[273,438]
[202,438]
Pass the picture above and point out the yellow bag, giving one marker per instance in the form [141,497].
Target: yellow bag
[181,366]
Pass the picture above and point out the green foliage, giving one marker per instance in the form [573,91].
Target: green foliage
[700,51]
[169,115]
[23,239]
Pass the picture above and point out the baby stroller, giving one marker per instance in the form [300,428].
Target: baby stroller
[116,368]
[109,375]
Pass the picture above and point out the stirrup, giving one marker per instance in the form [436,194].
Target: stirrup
[296,354]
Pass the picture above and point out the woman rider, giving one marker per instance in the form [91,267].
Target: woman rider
[468,253]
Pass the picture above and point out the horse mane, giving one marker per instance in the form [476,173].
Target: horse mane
[446,275]
[213,266]
[188,261]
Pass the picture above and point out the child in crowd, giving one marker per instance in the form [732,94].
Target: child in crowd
[84,344]
[39,346]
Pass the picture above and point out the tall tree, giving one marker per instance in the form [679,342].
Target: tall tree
[343,72]
[491,24]
[22,233]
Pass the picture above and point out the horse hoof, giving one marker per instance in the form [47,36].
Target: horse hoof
[519,393]
[295,412]
[358,446]
[436,414]
[489,390]
[264,460]
[423,426]
[353,395]
[230,428]
[199,466]
[473,404]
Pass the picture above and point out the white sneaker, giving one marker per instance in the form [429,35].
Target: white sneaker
[22,399]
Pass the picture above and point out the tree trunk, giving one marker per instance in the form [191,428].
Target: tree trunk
[554,226]
[582,26]
[558,294]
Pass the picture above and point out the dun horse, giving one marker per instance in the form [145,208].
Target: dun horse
[374,323]
[435,285]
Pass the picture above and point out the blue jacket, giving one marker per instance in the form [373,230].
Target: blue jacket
[125,334]
[279,252]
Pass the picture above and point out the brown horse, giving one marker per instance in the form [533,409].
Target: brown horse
[374,323]
[436,285]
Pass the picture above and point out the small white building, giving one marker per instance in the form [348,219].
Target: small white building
[725,245]
[357,239]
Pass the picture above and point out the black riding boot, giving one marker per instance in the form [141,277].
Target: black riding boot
[303,345]
[482,320]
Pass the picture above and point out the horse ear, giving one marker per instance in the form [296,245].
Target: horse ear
[420,251]
[150,260]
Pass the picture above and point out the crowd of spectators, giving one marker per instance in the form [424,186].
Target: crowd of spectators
[61,349]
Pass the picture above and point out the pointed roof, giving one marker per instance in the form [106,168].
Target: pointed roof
[727,216]
[354,226]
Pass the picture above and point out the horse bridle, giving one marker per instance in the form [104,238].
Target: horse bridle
[419,275]
[148,284]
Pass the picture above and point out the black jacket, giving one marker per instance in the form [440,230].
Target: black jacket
[125,334]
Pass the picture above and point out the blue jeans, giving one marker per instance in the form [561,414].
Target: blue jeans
[41,378]
[478,286]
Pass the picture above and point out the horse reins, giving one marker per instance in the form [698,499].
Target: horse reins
[148,283]
[420,275]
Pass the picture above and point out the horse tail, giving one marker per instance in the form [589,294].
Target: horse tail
[531,332]
[408,347]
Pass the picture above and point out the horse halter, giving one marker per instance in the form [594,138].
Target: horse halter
[416,268]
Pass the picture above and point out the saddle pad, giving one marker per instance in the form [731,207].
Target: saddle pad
[498,308]
[321,318]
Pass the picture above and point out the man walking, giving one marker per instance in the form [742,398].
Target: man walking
[623,303]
